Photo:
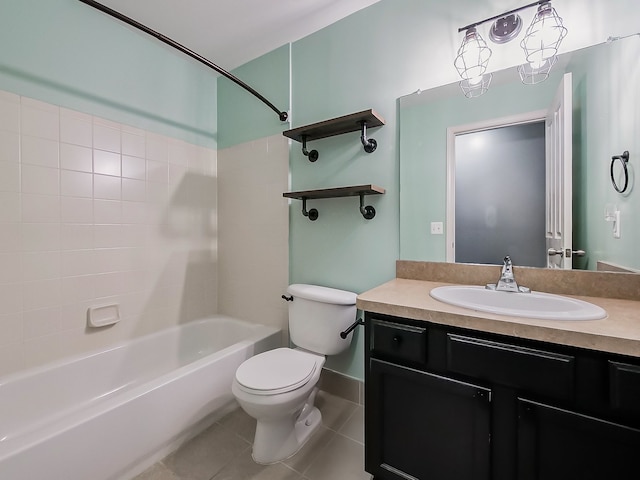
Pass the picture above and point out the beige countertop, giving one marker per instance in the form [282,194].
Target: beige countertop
[409,298]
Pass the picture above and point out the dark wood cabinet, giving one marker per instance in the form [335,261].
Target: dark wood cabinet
[449,403]
[422,425]
[556,444]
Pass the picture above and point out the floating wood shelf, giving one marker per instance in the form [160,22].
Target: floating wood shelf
[368,211]
[336,192]
[337,126]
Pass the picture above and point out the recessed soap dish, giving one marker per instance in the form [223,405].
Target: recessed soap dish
[103,316]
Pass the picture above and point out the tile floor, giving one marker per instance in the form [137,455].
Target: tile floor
[223,452]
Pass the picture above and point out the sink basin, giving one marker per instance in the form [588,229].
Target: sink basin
[532,305]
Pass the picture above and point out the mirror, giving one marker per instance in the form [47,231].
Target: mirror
[606,122]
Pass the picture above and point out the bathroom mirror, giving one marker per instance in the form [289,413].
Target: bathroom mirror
[606,122]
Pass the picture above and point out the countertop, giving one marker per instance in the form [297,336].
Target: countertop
[618,333]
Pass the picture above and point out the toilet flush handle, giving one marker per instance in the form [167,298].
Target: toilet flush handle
[344,334]
[288,299]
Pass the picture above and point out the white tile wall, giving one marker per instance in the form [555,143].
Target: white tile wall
[253,225]
[94,212]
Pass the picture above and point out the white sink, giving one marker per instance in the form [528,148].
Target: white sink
[532,305]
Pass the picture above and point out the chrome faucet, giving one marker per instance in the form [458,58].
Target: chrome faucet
[507,281]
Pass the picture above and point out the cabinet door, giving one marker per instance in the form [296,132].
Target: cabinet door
[555,444]
[423,426]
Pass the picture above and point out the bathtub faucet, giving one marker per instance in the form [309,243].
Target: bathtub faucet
[507,281]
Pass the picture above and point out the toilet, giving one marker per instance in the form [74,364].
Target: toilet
[278,387]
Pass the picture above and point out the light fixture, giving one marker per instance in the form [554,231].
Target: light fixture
[471,62]
[473,56]
[536,72]
[543,37]
[540,44]
[505,28]
[477,86]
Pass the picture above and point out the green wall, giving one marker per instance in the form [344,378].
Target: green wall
[243,117]
[69,54]
[369,60]
[606,123]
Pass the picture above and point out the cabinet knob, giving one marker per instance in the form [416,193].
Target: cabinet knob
[397,340]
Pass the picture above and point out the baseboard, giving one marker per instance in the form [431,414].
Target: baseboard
[342,386]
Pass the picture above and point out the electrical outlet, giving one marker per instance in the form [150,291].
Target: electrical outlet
[437,228]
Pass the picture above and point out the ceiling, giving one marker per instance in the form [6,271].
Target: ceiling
[232,32]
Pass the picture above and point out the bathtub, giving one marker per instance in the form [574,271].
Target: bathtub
[110,414]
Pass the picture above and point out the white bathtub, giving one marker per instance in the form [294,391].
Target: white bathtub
[110,414]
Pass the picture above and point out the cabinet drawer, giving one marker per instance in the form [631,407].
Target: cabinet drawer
[624,388]
[403,342]
[545,373]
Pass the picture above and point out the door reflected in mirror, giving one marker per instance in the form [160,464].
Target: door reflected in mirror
[498,199]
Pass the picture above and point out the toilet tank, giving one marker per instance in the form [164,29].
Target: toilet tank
[317,315]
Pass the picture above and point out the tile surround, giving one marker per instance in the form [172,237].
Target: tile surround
[93,211]
[253,221]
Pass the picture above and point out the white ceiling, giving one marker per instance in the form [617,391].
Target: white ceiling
[232,32]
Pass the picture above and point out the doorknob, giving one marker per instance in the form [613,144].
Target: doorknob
[577,253]
[552,252]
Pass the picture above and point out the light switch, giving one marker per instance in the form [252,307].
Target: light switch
[437,228]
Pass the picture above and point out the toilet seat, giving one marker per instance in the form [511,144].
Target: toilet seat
[276,371]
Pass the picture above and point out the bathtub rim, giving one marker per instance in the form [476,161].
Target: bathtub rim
[73,419]
[122,343]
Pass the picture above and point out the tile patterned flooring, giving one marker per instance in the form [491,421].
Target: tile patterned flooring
[223,452]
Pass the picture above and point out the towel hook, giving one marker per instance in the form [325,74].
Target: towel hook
[624,159]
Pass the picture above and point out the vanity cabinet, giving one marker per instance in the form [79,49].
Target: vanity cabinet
[450,403]
[426,426]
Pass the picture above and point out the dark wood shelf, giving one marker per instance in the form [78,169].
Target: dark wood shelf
[350,191]
[336,126]
[367,211]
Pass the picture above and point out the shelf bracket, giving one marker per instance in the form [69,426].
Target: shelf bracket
[311,155]
[370,144]
[367,212]
[311,214]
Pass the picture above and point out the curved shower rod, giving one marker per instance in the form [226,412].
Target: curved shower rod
[109,11]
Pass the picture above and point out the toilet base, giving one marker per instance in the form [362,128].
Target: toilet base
[279,439]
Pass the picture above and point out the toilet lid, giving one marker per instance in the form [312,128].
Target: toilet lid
[276,371]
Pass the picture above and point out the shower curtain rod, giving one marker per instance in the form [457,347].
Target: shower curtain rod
[103,8]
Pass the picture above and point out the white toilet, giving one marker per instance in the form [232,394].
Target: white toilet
[278,387]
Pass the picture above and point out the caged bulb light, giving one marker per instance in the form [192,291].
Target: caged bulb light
[473,56]
[543,37]
[474,87]
[536,72]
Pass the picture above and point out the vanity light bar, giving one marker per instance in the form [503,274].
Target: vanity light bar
[540,44]
[505,14]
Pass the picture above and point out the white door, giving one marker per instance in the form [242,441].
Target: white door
[558,184]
